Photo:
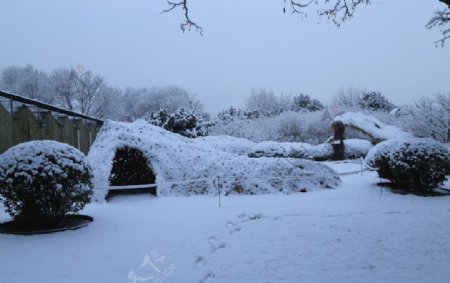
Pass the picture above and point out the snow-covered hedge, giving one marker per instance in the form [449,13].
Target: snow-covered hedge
[354,148]
[41,179]
[413,164]
[184,166]
[226,143]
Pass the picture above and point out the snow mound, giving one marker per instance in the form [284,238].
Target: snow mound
[377,130]
[184,166]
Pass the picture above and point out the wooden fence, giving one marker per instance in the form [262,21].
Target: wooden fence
[23,119]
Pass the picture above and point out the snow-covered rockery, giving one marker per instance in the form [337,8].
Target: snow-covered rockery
[44,179]
[371,126]
[184,166]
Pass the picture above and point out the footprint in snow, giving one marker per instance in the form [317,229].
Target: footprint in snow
[217,247]
[199,261]
[212,239]
[234,230]
[209,274]
[216,244]
[245,218]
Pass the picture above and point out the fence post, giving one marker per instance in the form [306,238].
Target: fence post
[218,187]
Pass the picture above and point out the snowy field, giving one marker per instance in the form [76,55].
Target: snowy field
[354,233]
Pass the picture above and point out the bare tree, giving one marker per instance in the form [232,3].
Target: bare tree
[431,117]
[338,11]
[89,91]
[349,96]
[139,102]
[64,86]
[84,92]
[26,81]
[266,102]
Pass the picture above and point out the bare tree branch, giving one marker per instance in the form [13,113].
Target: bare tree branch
[441,20]
[342,10]
[297,6]
[338,11]
[188,23]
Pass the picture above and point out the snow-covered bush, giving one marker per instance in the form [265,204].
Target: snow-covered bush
[375,101]
[414,164]
[183,122]
[356,148]
[304,102]
[290,127]
[44,179]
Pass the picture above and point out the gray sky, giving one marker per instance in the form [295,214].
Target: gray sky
[246,44]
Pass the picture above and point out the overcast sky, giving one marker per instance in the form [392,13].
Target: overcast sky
[246,44]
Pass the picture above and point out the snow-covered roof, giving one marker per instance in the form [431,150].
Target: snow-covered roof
[371,126]
[177,161]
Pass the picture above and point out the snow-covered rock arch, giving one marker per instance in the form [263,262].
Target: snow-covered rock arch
[368,125]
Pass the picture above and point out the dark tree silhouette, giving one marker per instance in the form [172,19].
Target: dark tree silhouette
[338,11]
[188,23]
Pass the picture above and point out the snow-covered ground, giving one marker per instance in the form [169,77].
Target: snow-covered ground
[354,233]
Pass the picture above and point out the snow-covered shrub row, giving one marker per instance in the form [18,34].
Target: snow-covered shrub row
[413,164]
[239,146]
[354,148]
[289,126]
[292,150]
[41,179]
[184,166]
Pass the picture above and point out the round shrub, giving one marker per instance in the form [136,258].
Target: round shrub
[416,164]
[41,180]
